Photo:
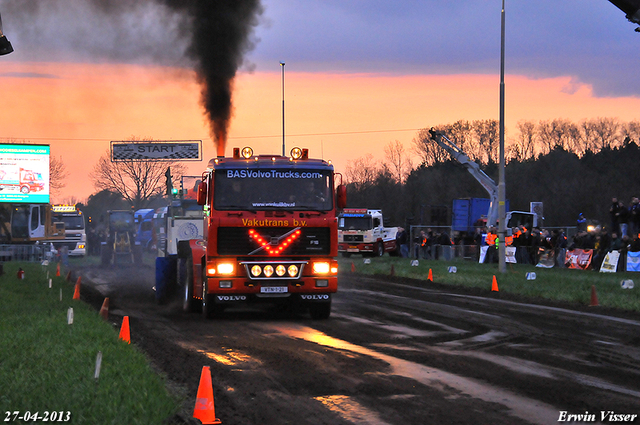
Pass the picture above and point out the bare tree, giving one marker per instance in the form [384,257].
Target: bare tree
[630,131]
[487,136]
[525,146]
[397,161]
[362,172]
[57,174]
[556,133]
[137,181]
[601,133]
[428,150]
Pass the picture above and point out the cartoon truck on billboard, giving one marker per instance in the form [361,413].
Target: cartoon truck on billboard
[26,181]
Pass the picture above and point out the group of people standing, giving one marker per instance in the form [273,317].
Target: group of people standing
[625,221]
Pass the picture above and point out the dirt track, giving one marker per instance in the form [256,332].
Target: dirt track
[391,353]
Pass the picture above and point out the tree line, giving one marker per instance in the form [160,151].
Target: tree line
[571,167]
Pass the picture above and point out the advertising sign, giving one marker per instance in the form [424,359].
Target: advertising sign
[24,173]
[156,151]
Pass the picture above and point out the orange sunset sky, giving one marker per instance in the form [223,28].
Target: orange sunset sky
[337,116]
[356,77]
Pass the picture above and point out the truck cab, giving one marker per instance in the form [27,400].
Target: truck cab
[362,231]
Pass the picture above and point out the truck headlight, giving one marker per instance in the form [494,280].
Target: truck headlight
[225,268]
[321,267]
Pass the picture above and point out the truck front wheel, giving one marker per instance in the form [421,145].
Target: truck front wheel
[320,311]
[185,282]
[209,309]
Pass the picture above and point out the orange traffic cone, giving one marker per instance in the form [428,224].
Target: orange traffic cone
[104,310]
[124,330]
[58,270]
[76,291]
[430,277]
[494,284]
[205,409]
[594,297]
[353,267]
[393,271]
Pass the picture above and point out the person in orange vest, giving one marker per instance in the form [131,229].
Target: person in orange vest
[492,237]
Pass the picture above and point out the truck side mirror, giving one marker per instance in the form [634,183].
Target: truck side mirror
[202,193]
[342,196]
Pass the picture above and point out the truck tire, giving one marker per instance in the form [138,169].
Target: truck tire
[185,283]
[320,311]
[209,309]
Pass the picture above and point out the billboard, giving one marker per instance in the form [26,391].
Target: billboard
[24,173]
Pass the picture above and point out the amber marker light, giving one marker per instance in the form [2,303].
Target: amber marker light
[247,152]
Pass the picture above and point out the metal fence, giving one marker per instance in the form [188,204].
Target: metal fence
[31,253]
[458,250]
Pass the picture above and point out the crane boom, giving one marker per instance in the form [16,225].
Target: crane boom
[474,169]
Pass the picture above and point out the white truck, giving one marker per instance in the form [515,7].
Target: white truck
[75,237]
[174,227]
[362,231]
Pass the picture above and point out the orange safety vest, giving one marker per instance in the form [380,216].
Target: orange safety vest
[491,239]
[508,240]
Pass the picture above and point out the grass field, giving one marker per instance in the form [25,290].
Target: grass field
[572,286]
[49,365]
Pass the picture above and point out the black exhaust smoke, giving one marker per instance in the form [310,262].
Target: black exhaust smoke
[214,35]
[220,33]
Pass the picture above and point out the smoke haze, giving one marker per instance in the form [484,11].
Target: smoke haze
[209,36]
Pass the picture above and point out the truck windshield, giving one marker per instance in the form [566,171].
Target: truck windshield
[75,222]
[355,223]
[273,189]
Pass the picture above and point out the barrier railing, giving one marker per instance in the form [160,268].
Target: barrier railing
[30,253]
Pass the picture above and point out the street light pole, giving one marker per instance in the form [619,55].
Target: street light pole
[501,183]
[282,64]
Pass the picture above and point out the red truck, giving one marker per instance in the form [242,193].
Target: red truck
[270,234]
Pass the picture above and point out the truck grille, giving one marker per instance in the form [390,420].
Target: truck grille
[238,241]
[352,238]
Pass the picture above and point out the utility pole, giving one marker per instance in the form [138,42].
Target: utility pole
[282,64]
[501,183]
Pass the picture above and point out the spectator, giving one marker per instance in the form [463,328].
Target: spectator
[581,223]
[616,243]
[634,218]
[403,242]
[613,214]
[623,219]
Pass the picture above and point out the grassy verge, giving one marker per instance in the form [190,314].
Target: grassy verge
[572,286]
[48,365]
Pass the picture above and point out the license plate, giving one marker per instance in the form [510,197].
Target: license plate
[274,289]
[353,249]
